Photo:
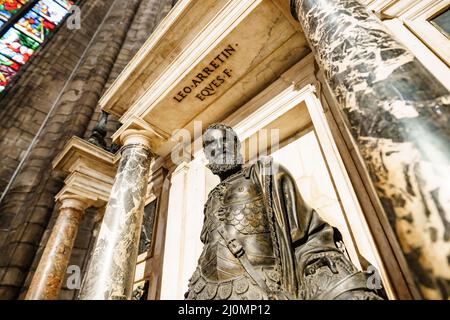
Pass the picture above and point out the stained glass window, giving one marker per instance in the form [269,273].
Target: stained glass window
[35,26]
[9,8]
[25,25]
[65,3]
[50,10]
[17,46]
[8,70]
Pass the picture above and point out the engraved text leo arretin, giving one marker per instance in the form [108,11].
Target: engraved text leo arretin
[206,74]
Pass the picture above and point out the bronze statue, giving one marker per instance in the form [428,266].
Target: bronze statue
[261,240]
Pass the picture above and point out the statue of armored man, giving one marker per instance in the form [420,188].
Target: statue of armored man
[261,240]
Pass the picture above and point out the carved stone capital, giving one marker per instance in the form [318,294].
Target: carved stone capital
[136,137]
[73,201]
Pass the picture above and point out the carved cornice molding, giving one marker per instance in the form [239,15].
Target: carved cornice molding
[91,171]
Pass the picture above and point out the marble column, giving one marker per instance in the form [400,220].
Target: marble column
[110,274]
[50,273]
[399,117]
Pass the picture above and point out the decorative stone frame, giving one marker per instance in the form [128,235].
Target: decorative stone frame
[296,86]
[417,19]
[416,15]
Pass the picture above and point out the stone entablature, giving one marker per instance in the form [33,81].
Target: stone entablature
[91,171]
[224,62]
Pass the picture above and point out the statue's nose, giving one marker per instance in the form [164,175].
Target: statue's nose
[220,146]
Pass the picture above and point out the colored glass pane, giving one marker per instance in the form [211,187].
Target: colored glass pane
[8,70]
[35,26]
[25,29]
[65,3]
[8,8]
[17,46]
[50,10]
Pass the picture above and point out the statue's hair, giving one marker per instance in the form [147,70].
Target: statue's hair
[220,126]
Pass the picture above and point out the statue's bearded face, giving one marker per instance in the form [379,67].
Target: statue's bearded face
[221,147]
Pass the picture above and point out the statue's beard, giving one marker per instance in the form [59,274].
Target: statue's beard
[224,170]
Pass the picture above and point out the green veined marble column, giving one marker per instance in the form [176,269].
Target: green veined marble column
[110,274]
[398,114]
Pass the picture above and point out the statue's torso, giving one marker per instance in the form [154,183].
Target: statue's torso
[238,205]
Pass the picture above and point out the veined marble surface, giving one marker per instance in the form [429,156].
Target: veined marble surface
[399,117]
[49,275]
[110,274]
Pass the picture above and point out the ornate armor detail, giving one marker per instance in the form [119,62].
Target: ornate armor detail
[248,218]
[327,270]
[236,204]
[240,288]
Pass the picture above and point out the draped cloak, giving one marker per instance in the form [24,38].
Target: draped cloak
[303,239]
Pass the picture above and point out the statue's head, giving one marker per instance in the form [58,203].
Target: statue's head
[222,149]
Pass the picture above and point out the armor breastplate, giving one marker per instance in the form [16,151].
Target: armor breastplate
[237,204]
[243,207]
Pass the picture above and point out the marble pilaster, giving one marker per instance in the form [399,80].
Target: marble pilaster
[50,273]
[110,274]
[398,115]
[176,217]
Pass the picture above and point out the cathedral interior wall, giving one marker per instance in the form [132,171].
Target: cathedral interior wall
[28,103]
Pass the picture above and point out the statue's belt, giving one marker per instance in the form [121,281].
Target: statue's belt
[238,251]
